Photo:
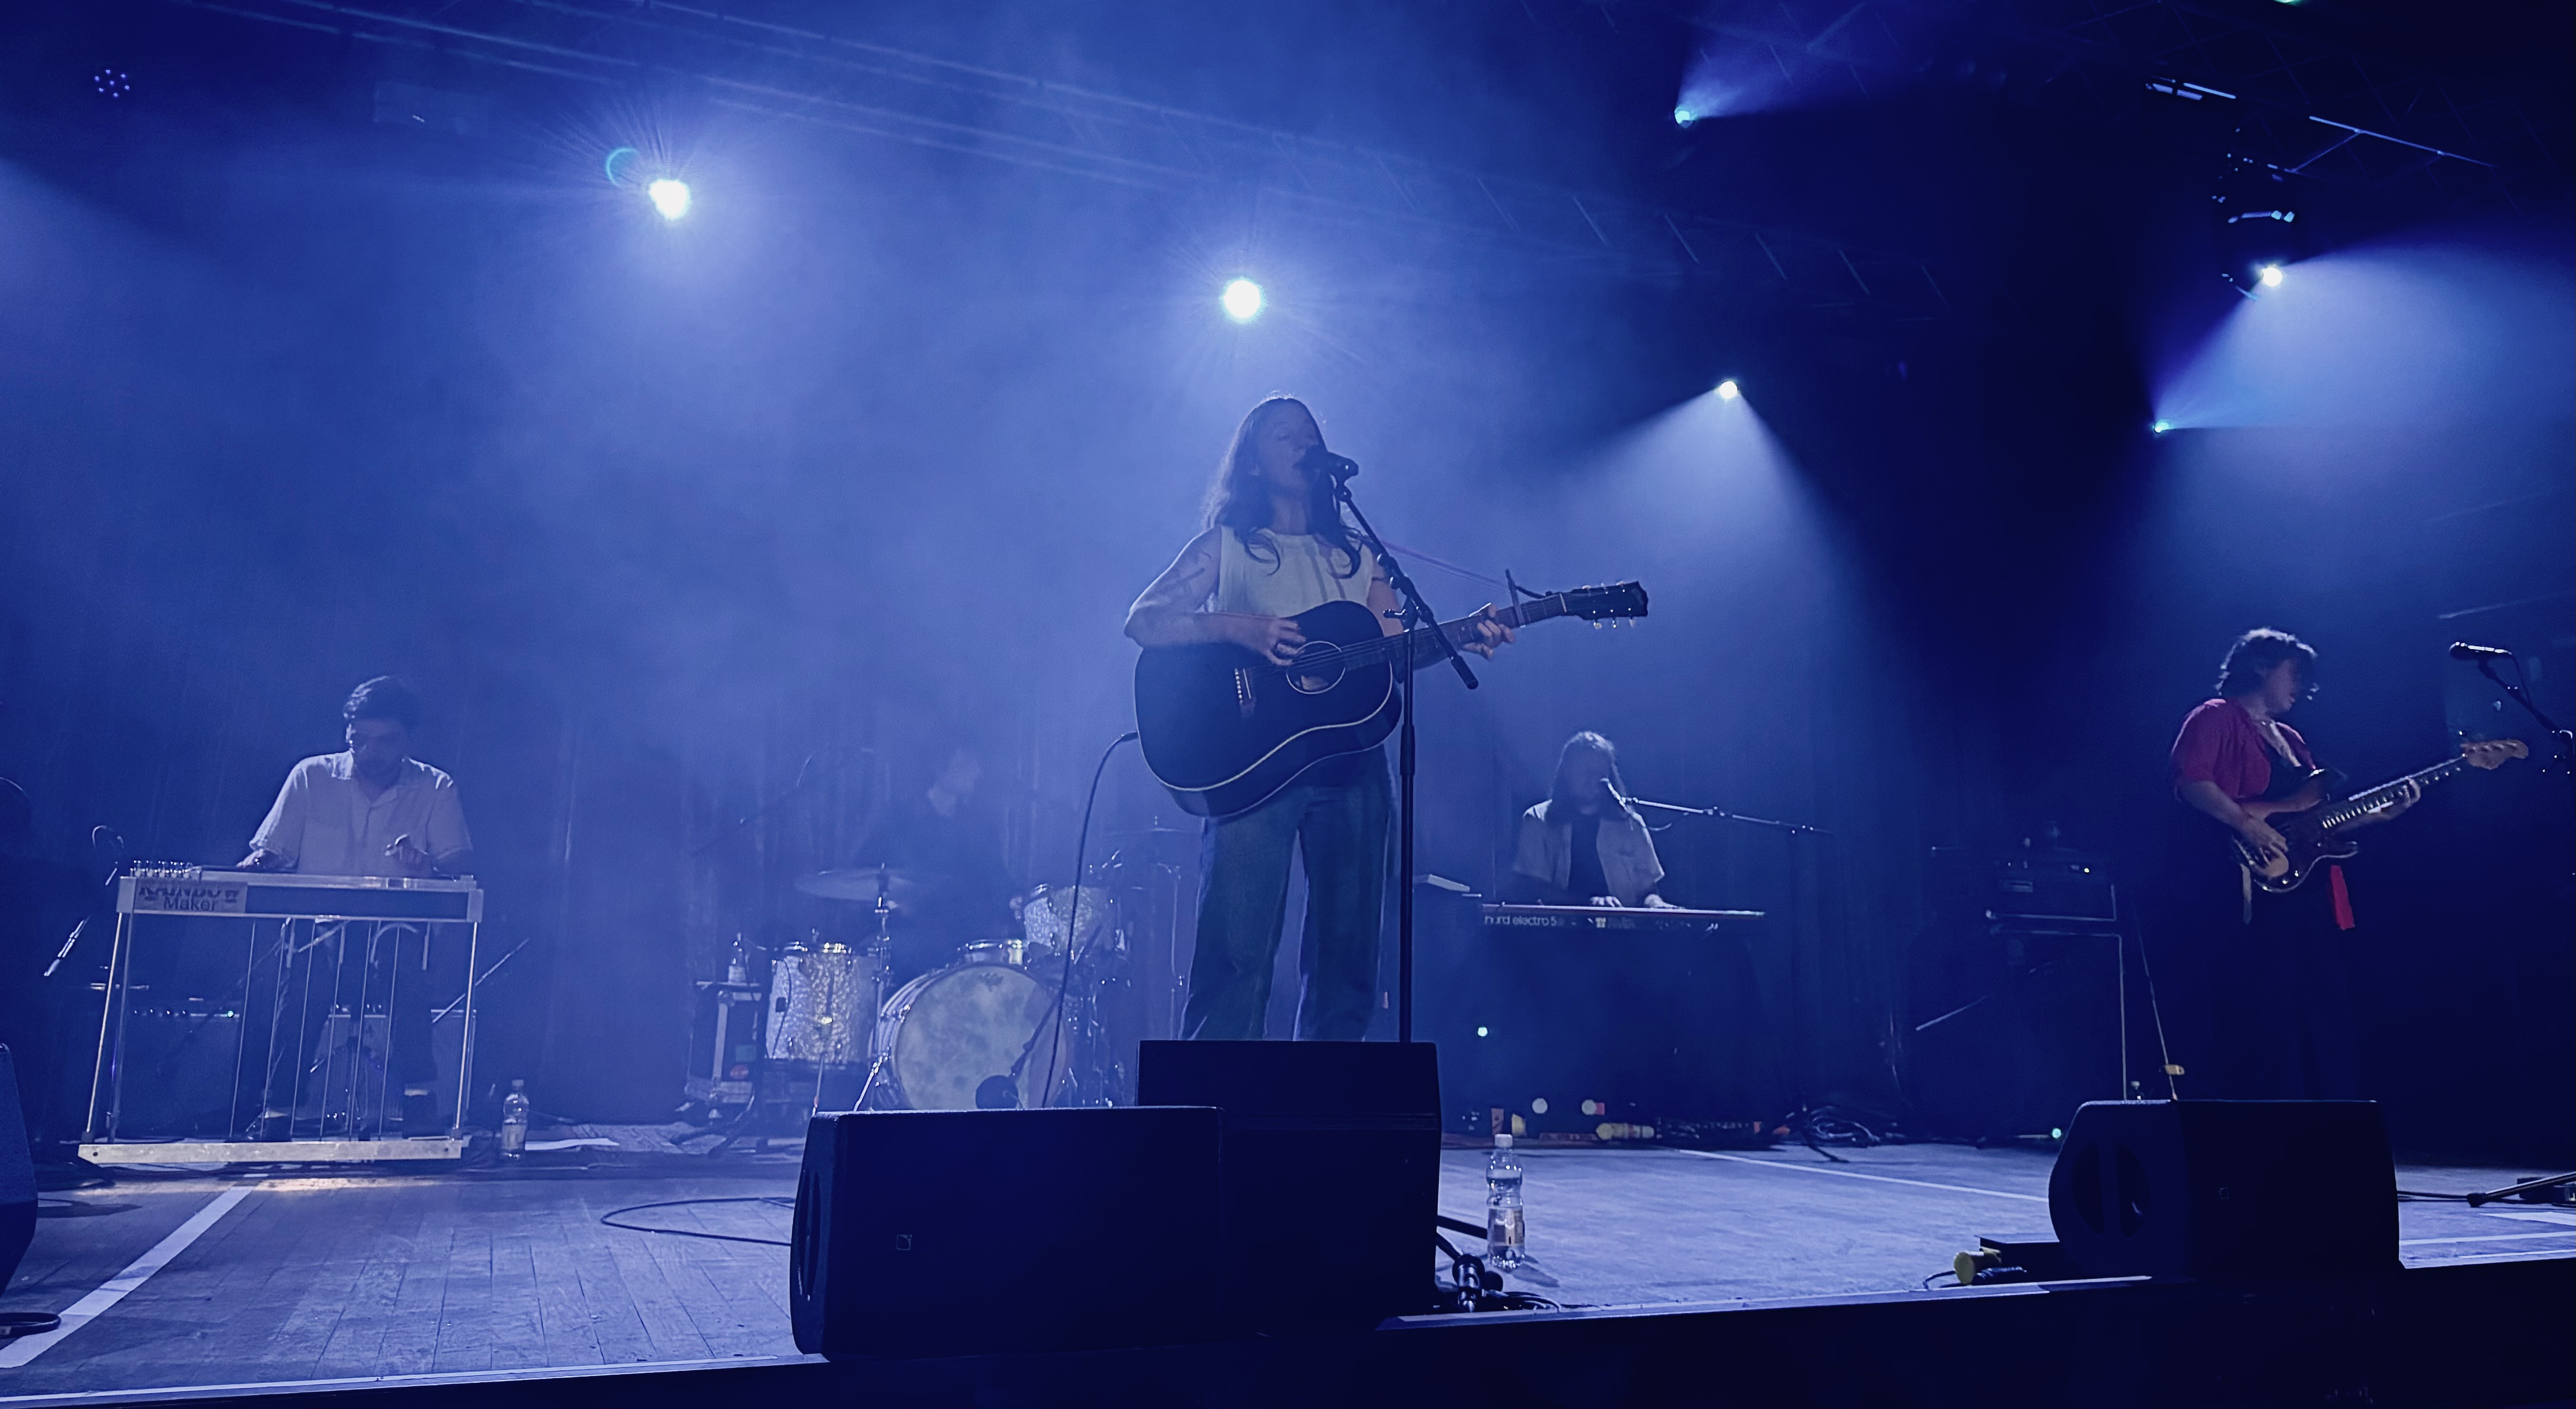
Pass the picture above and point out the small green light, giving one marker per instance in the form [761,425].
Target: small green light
[2056,1134]
[1480,1032]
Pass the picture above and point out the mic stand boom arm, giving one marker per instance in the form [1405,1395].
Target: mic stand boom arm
[1417,612]
[1792,828]
[2565,742]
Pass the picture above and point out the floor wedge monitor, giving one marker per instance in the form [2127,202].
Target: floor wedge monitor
[925,1233]
[2226,1189]
[1332,1158]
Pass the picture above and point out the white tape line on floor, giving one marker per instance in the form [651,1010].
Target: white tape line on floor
[1856,1174]
[89,1308]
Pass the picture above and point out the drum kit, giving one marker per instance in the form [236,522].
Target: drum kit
[1013,1021]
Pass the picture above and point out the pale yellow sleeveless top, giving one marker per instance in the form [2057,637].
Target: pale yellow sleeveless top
[1302,577]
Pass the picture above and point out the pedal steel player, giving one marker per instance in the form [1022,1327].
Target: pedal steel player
[1585,845]
[1276,545]
[372,810]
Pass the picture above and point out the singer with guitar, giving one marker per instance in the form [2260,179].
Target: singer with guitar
[1275,546]
[2283,1001]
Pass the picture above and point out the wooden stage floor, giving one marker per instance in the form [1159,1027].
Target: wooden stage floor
[309,1275]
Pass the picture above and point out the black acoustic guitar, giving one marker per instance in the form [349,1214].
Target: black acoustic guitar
[2312,822]
[1225,730]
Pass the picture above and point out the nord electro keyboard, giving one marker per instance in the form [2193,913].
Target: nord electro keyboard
[1635,920]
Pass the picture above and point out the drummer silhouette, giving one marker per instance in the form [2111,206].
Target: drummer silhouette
[948,839]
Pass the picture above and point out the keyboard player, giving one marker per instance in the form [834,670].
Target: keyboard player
[1585,845]
[372,810]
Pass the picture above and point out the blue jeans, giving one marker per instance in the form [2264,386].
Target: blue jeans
[1243,902]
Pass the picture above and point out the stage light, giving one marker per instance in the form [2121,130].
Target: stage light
[2270,274]
[1727,390]
[671,197]
[2160,427]
[1242,300]
[111,83]
[1480,1032]
[1684,117]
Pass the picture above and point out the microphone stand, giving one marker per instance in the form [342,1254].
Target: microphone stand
[2566,762]
[1417,612]
[2565,742]
[1797,913]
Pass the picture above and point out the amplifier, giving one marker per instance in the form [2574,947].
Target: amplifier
[2033,885]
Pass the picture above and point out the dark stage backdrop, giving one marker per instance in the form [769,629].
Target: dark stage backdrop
[665,522]
[757,515]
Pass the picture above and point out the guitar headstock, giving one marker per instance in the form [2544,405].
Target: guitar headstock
[1614,602]
[2493,753]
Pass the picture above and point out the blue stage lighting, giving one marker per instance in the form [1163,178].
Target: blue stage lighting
[2160,427]
[1727,390]
[2270,274]
[670,197]
[1684,117]
[1242,300]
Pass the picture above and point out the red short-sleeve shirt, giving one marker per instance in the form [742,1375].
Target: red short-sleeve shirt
[2220,744]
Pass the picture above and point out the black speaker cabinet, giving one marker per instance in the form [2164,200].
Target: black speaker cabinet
[1332,1160]
[923,1233]
[17,1176]
[2220,1189]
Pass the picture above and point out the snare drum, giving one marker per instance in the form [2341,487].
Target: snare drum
[945,1033]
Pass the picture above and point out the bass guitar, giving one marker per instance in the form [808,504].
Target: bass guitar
[1225,730]
[2309,821]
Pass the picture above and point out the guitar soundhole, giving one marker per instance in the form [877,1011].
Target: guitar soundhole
[1317,667]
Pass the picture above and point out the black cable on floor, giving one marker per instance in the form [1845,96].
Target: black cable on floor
[774,1200]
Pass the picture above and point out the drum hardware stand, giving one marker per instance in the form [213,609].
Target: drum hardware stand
[1417,613]
[1051,1023]
[881,954]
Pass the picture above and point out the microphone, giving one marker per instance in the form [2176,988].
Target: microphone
[1318,460]
[2462,650]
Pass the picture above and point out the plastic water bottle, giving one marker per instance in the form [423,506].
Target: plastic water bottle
[1506,1236]
[514,1123]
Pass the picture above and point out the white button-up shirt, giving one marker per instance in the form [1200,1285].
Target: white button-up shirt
[1545,851]
[324,824]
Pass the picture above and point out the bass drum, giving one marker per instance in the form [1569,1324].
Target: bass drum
[945,1034]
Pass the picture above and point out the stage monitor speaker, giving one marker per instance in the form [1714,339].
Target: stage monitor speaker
[2226,1189]
[922,1233]
[17,1175]
[1332,1162]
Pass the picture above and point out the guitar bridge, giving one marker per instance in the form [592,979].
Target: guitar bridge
[1243,692]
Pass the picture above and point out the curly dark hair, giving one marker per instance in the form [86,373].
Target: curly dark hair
[1239,502]
[384,697]
[2253,655]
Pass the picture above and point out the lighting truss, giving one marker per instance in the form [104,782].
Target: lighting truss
[2299,100]
[829,80]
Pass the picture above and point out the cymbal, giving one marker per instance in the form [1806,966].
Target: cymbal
[862,883]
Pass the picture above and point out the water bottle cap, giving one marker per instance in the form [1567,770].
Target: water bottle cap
[1502,1142]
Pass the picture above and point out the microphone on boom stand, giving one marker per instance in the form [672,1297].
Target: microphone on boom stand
[1337,468]
[2462,650]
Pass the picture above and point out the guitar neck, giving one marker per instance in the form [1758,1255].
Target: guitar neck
[1417,646]
[2371,800]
